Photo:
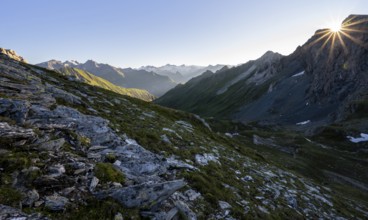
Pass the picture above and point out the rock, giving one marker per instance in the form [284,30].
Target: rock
[185,210]
[96,156]
[16,110]
[118,216]
[205,158]
[57,170]
[224,205]
[247,178]
[171,214]
[56,202]
[12,54]
[143,195]
[38,203]
[53,145]
[186,125]
[93,184]
[203,122]
[10,213]
[31,197]
[191,194]
[79,171]
[165,139]
[96,148]
[13,134]
[61,94]
[172,162]
[67,191]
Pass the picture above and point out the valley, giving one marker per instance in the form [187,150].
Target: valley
[279,137]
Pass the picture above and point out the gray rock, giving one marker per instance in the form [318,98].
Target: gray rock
[15,133]
[247,178]
[93,184]
[165,139]
[53,145]
[118,216]
[224,205]
[185,210]
[56,202]
[14,109]
[191,194]
[10,213]
[61,94]
[31,197]
[205,158]
[143,195]
[56,170]
[171,214]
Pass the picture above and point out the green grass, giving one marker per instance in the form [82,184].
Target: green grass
[106,172]
[10,196]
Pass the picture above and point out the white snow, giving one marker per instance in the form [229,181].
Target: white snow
[303,122]
[363,137]
[298,74]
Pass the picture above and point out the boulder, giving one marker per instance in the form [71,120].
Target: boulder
[56,202]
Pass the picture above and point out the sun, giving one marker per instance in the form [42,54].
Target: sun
[335,27]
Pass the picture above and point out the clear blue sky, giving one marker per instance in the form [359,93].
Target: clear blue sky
[156,32]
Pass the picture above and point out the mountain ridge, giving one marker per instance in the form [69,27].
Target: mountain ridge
[129,78]
[331,83]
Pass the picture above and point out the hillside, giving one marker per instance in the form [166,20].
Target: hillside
[128,78]
[86,77]
[324,81]
[70,150]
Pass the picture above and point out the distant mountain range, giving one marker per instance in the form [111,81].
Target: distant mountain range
[182,73]
[322,82]
[129,78]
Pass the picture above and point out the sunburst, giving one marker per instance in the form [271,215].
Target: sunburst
[338,33]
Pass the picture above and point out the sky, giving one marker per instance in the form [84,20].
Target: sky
[133,33]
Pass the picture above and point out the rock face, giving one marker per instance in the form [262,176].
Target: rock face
[12,54]
[324,80]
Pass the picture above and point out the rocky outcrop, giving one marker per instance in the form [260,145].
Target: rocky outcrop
[7,212]
[12,54]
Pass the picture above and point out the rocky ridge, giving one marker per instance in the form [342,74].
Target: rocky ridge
[71,150]
[12,54]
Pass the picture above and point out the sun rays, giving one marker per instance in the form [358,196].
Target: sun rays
[338,34]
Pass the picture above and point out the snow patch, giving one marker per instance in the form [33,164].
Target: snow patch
[303,122]
[298,74]
[363,137]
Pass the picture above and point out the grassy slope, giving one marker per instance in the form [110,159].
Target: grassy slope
[93,80]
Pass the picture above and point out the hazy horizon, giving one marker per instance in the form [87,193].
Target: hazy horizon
[140,33]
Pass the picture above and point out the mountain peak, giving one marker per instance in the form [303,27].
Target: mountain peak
[269,56]
[12,54]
